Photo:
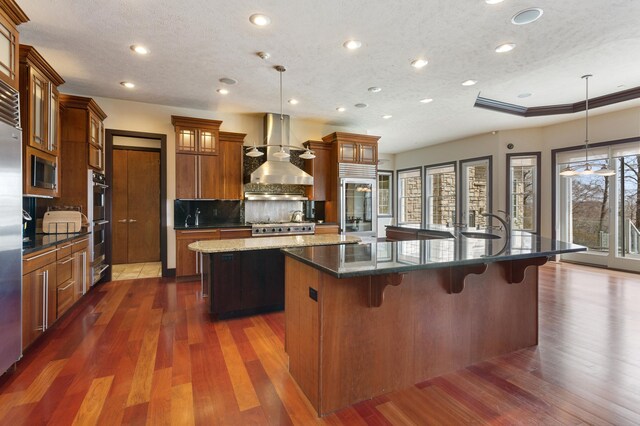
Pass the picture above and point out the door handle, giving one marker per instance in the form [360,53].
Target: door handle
[122,221]
[132,221]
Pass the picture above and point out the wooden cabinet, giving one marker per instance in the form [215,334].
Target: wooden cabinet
[233,233]
[188,262]
[10,17]
[354,148]
[321,170]
[81,122]
[39,299]
[246,282]
[40,116]
[196,135]
[81,268]
[208,163]
[327,229]
[231,156]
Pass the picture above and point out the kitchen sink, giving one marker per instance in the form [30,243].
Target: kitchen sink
[481,235]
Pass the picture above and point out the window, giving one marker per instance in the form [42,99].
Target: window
[476,191]
[410,197]
[523,202]
[385,196]
[440,193]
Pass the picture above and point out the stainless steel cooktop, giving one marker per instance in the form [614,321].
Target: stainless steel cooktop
[284,228]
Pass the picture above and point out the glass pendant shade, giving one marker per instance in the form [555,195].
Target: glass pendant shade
[568,171]
[253,152]
[307,155]
[282,153]
[587,170]
[605,171]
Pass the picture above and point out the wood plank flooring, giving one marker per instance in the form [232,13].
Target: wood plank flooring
[145,352]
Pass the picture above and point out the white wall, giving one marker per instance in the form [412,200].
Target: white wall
[151,118]
[605,127]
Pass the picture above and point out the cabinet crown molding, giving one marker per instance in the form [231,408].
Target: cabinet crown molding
[178,120]
[232,137]
[29,55]
[73,101]
[350,137]
[317,144]
[14,12]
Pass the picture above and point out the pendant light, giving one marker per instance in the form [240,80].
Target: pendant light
[588,170]
[282,154]
[253,152]
[307,155]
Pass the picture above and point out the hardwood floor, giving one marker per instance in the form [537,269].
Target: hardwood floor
[144,352]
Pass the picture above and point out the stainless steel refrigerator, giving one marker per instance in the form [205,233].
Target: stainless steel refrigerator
[10,228]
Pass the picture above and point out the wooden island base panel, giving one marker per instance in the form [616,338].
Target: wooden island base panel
[341,351]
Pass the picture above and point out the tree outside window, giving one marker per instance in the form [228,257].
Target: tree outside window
[410,197]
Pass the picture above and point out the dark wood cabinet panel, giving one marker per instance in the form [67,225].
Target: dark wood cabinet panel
[246,282]
[321,170]
[187,261]
[231,154]
[186,169]
[210,177]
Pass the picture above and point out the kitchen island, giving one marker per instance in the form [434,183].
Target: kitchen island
[368,319]
[246,275]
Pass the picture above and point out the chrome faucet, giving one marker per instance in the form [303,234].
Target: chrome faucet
[197,217]
[186,221]
[506,222]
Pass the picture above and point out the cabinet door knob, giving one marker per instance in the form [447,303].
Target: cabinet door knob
[123,221]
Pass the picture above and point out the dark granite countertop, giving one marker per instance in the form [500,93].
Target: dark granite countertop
[402,256]
[43,241]
[213,226]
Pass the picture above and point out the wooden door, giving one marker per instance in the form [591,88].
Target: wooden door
[211,177]
[144,206]
[348,152]
[32,302]
[136,206]
[120,215]
[231,155]
[38,120]
[186,176]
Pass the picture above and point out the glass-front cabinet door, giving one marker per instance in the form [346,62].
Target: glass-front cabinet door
[38,126]
[8,47]
[54,117]
[348,152]
[368,153]
[186,140]
[207,142]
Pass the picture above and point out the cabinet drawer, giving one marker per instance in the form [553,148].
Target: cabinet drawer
[327,229]
[199,234]
[64,270]
[36,260]
[65,297]
[64,250]
[80,244]
[227,234]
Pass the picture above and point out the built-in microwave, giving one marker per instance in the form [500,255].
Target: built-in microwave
[43,173]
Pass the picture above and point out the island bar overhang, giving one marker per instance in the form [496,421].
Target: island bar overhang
[352,338]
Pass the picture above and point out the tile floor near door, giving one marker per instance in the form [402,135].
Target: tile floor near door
[130,271]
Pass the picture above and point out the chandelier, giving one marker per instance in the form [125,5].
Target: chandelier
[586,167]
[281,154]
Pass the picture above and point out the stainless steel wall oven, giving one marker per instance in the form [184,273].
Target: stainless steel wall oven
[96,205]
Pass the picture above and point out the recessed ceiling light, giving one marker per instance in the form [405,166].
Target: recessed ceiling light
[361,105]
[259,19]
[223,91]
[527,16]
[293,101]
[352,44]
[387,116]
[374,89]
[426,100]
[128,84]
[139,49]
[493,1]
[469,82]
[504,48]
[419,63]
[341,109]
[524,95]
[227,80]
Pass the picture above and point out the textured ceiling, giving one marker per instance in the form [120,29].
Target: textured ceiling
[193,43]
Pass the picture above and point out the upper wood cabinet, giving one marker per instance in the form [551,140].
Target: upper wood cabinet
[39,106]
[10,17]
[82,132]
[354,148]
[321,170]
[40,117]
[199,173]
[196,135]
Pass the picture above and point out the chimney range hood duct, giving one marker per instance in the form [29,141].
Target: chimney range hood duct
[278,170]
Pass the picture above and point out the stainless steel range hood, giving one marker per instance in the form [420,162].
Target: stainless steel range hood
[278,170]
